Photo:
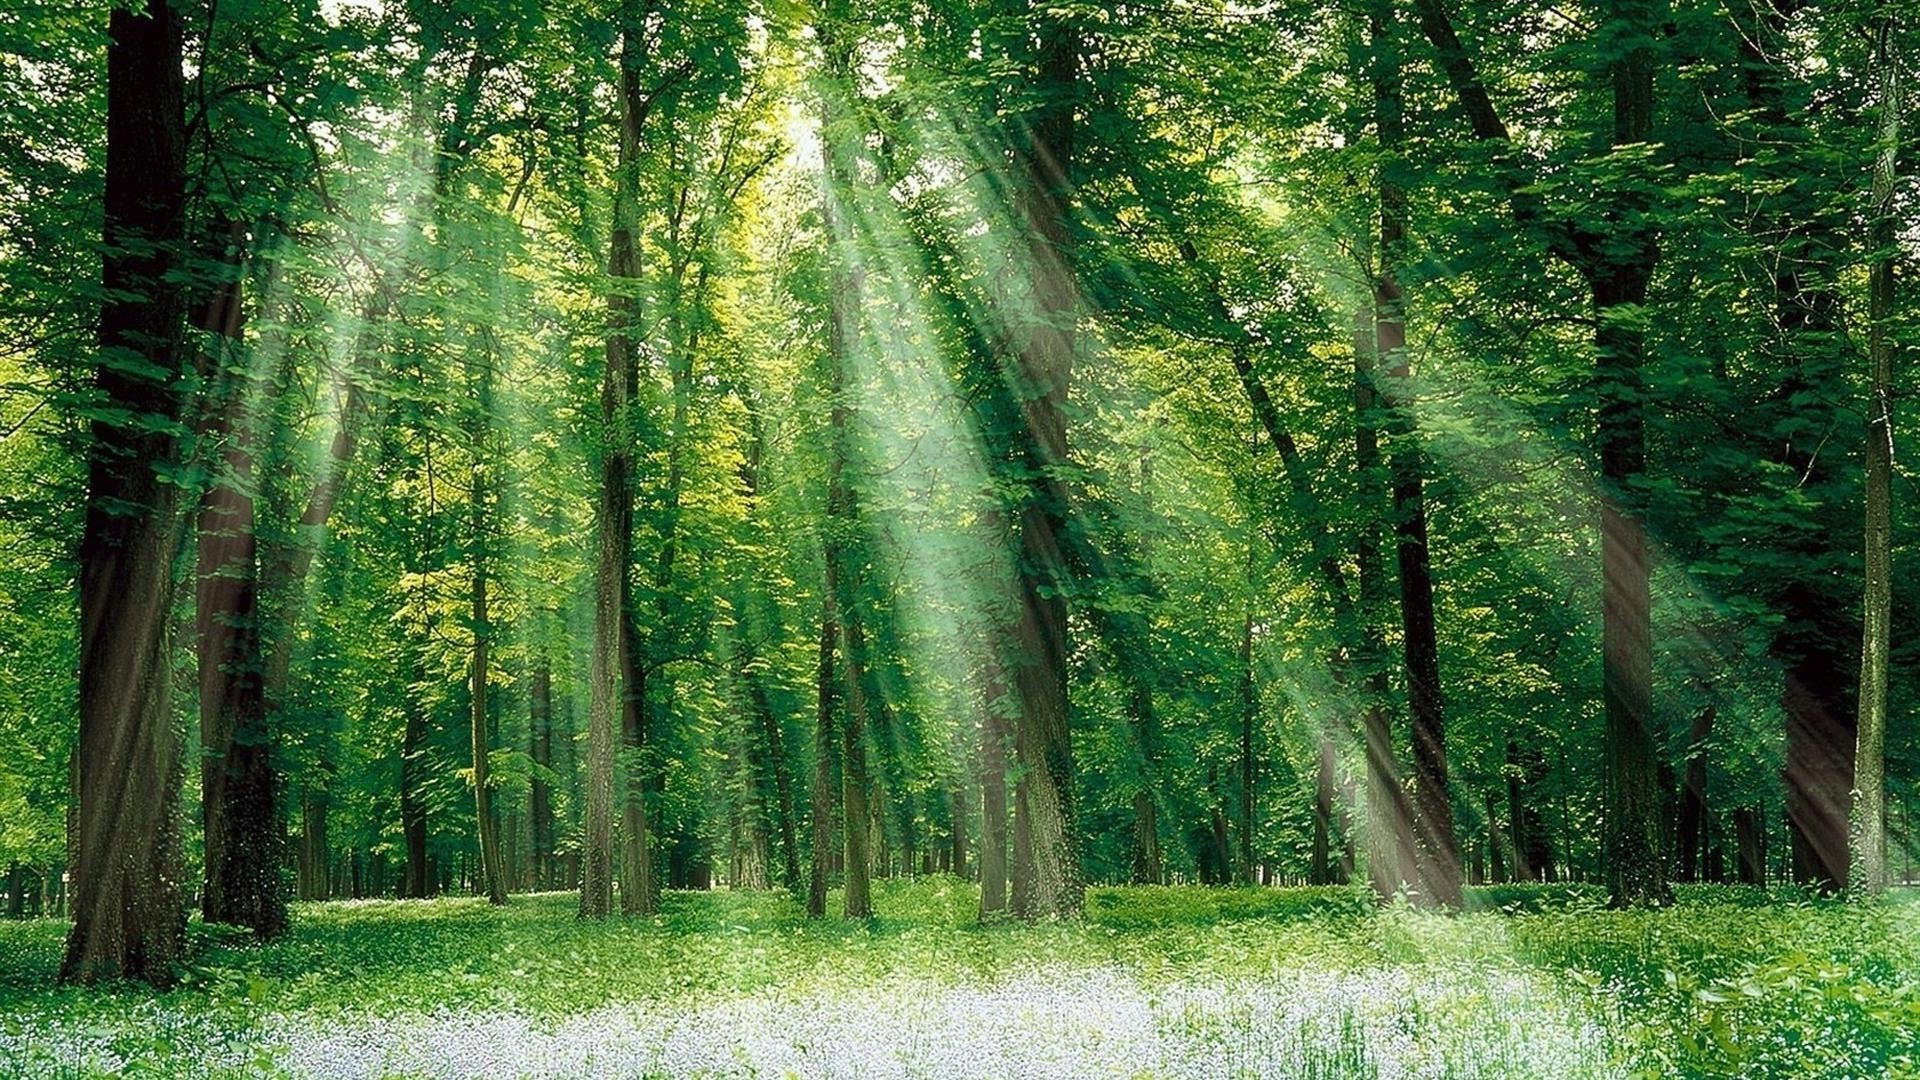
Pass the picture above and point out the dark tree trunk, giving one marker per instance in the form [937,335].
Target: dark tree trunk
[125,828]
[1249,719]
[1751,843]
[956,863]
[1020,881]
[1868,836]
[993,792]
[493,874]
[1693,798]
[413,811]
[314,883]
[540,791]
[1321,869]
[821,795]
[611,677]
[1042,367]
[239,788]
[1439,866]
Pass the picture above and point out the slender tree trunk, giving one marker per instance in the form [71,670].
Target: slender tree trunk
[314,806]
[957,838]
[993,792]
[492,873]
[1389,826]
[1869,821]
[1249,717]
[1439,869]
[823,752]
[856,898]
[127,763]
[413,812]
[243,833]
[1693,798]
[1751,844]
[540,791]
[1320,871]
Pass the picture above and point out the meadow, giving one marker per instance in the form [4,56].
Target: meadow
[1156,982]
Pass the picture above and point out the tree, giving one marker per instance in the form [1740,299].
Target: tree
[127,917]
[1869,831]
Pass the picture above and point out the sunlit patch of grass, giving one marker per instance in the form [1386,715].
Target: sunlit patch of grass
[1172,982]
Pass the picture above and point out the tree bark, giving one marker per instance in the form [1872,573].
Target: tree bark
[611,667]
[1868,832]
[821,796]
[993,791]
[127,762]
[1438,851]
[1693,799]
[492,872]
[1042,369]
[540,791]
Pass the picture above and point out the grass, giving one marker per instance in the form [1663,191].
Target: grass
[1156,982]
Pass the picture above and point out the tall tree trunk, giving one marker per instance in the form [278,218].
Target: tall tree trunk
[611,665]
[492,873]
[841,140]
[821,796]
[540,790]
[243,833]
[856,898]
[1439,868]
[993,791]
[1389,825]
[418,884]
[1249,717]
[1750,838]
[1620,269]
[1320,864]
[1043,369]
[1868,832]
[127,763]
[1693,798]
[314,883]
[957,837]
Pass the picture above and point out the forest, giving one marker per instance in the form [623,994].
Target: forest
[947,538]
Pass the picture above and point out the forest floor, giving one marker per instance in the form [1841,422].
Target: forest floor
[1170,982]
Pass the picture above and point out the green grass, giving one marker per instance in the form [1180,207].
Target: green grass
[1536,982]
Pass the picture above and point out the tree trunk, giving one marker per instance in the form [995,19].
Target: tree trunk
[993,792]
[1320,871]
[1693,798]
[957,837]
[611,649]
[821,796]
[1868,831]
[314,883]
[1438,853]
[1750,836]
[492,873]
[856,897]
[413,812]
[1389,824]
[540,791]
[125,838]
[1043,368]
[1249,718]
[1620,267]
